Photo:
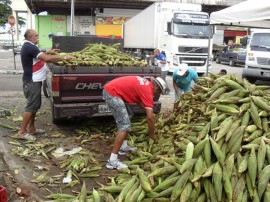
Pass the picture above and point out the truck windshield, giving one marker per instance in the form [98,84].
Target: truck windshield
[260,41]
[191,30]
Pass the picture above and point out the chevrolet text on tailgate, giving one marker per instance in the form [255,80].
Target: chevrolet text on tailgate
[77,91]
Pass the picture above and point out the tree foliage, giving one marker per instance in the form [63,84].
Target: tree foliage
[5,11]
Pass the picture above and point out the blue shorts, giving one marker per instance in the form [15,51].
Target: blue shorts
[119,111]
[32,93]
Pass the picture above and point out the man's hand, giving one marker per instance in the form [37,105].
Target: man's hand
[179,93]
[53,51]
[69,57]
[195,88]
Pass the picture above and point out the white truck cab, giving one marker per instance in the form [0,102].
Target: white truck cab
[180,30]
[257,65]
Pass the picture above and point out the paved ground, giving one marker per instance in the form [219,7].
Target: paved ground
[9,63]
[16,172]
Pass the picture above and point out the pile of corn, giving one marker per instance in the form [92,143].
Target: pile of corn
[215,147]
[101,55]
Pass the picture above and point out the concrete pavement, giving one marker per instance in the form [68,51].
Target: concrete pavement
[10,64]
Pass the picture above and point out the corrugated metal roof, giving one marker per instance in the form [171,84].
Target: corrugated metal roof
[82,7]
[90,7]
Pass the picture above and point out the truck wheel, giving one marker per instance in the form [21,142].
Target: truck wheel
[231,63]
[217,60]
[45,89]
[54,119]
[214,56]
[251,79]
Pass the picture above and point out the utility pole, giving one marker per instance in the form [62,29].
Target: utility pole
[72,18]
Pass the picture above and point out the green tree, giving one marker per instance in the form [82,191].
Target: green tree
[5,11]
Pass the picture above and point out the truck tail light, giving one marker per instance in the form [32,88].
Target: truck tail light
[55,86]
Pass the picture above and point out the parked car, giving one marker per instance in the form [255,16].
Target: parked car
[235,54]
[17,50]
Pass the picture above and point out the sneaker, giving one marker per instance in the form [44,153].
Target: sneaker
[115,164]
[127,149]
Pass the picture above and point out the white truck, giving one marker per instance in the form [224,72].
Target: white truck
[180,30]
[257,65]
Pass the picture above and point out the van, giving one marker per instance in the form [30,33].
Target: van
[257,65]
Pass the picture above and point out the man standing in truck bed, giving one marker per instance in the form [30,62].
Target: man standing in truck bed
[130,89]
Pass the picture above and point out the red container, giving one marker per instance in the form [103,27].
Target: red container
[3,194]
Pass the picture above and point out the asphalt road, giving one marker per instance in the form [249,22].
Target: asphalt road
[13,82]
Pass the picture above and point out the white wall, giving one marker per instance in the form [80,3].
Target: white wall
[20,8]
[207,2]
[82,24]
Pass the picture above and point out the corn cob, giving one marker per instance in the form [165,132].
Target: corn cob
[264,178]
[217,180]
[144,180]
[252,166]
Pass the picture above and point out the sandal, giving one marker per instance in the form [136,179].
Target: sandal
[37,132]
[27,136]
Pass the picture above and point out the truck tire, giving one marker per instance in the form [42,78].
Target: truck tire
[45,89]
[218,60]
[214,56]
[54,119]
[231,62]
[251,79]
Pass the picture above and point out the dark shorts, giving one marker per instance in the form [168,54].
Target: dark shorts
[119,111]
[32,93]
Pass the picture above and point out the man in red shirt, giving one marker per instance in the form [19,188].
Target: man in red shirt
[130,89]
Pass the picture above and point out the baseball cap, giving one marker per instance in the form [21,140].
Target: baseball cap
[160,82]
[183,68]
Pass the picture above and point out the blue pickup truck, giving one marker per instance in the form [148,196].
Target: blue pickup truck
[235,54]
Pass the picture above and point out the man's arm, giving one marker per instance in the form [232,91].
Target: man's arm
[176,88]
[54,58]
[150,116]
[163,61]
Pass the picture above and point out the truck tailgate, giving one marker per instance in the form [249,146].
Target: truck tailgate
[85,84]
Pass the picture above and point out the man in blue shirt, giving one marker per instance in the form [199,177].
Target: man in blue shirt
[182,81]
[162,63]
[34,73]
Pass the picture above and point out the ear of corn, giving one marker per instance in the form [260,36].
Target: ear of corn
[180,185]
[199,147]
[227,184]
[126,189]
[252,166]
[144,181]
[255,115]
[264,178]
[216,149]
[189,150]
